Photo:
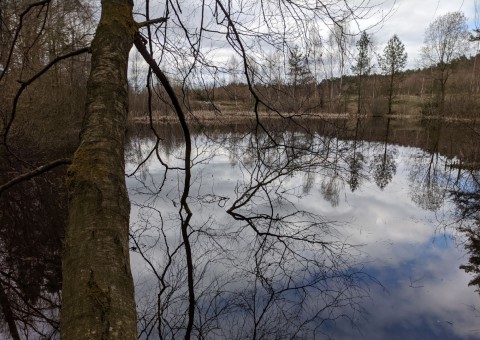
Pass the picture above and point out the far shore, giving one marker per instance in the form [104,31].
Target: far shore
[226,117]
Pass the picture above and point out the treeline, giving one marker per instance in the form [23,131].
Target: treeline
[417,94]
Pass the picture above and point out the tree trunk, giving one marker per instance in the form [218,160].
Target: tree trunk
[8,315]
[390,93]
[97,294]
[443,85]
[359,94]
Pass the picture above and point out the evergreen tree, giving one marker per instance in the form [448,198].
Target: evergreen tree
[363,66]
[299,72]
[391,63]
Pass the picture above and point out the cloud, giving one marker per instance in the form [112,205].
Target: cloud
[410,18]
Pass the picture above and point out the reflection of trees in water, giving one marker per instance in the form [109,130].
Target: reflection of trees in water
[383,168]
[466,195]
[331,188]
[382,165]
[356,159]
[263,268]
[429,182]
[32,220]
[356,163]
[430,178]
[435,178]
[332,181]
[473,248]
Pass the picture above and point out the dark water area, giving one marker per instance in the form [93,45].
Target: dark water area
[344,229]
[32,221]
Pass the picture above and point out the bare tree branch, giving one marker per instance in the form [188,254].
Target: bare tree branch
[26,83]
[140,45]
[17,32]
[38,171]
[151,22]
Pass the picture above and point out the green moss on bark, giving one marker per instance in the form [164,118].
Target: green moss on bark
[98,297]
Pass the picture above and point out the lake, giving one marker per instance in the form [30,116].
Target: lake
[341,229]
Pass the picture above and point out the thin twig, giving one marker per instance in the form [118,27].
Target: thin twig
[26,83]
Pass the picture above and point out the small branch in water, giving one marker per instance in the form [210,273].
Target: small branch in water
[413,283]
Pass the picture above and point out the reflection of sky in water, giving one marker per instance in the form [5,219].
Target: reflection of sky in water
[423,293]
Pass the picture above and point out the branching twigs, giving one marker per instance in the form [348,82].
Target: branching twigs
[17,32]
[238,39]
[8,314]
[294,251]
[6,281]
[38,171]
[140,45]
[26,83]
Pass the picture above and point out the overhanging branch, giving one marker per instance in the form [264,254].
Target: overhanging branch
[140,43]
[151,22]
[38,171]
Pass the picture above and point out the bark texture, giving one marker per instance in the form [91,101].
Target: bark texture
[97,294]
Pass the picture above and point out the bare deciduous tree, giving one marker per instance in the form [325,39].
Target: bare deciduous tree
[446,39]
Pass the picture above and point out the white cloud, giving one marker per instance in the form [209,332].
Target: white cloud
[410,18]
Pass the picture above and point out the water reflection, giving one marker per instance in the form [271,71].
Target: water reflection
[355,160]
[291,230]
[32,220]
[263,267]
[466,196]
[383,166]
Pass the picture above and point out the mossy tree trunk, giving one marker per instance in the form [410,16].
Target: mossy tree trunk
[97,293]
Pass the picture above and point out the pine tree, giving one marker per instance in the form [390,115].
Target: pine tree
[391,63]
[299,72]
[363,65]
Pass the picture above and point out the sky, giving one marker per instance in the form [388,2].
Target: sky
[410,18]
[406,18]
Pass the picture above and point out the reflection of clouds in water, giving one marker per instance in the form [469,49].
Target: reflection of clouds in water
[426,294]
[426,297]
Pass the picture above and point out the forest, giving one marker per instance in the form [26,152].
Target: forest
[113,114]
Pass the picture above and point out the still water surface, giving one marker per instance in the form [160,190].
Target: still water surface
[339,237]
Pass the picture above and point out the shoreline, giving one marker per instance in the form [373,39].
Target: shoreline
[228,117]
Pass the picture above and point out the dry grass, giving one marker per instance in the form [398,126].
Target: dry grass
[205,116]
